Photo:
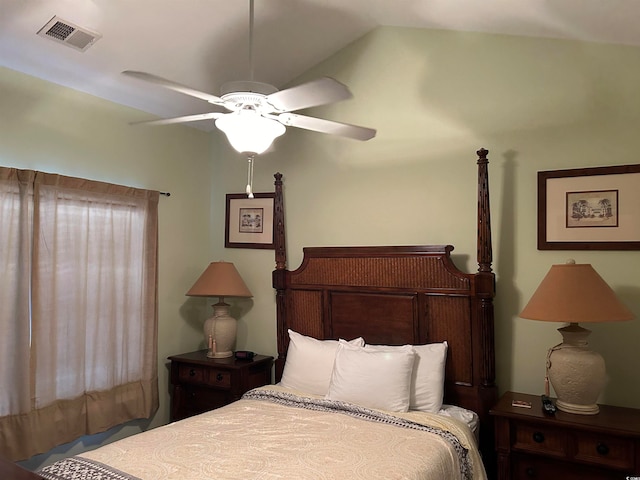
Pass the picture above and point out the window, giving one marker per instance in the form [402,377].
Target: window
[78,308]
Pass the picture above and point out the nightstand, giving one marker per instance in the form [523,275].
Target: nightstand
[12,471]
[532,444]
[200,383]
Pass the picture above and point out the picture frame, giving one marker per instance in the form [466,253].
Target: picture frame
[595,208]
[249,221]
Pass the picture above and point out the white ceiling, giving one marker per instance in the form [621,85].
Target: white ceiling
[204,43]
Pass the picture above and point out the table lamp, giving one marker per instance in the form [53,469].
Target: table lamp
[220,279]
[575,293]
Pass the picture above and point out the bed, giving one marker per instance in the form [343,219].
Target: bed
[353,325]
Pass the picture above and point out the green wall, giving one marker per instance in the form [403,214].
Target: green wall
[435,98]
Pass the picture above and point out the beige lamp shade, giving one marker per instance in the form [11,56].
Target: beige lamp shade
[220,279]
[575,293]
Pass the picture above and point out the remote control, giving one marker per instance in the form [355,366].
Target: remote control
[547,405]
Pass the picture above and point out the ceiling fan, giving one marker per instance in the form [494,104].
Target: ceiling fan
[257,113]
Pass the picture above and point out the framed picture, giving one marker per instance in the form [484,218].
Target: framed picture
[249,221]
[589,208]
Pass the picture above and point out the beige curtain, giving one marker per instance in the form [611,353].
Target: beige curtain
[82,308]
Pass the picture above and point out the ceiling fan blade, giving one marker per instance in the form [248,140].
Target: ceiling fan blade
[311,94]
[163,82]
[326,126]
[184,119]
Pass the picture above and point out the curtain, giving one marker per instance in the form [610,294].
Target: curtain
[78,318]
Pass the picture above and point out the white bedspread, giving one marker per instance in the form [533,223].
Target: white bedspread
[262,439]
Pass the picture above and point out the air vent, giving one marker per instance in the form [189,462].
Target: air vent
[68,34]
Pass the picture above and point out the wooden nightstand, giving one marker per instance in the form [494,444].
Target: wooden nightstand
[532,444]
[12,471]
[201,383]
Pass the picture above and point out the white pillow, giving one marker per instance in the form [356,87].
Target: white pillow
[427,382]
[377,378]
[310,362]
[469,417]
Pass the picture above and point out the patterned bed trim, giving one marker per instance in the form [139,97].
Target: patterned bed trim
[76,468]
[353,410]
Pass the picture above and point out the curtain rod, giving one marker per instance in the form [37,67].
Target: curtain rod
[166,194]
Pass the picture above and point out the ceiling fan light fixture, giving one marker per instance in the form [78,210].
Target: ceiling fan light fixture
[249,132]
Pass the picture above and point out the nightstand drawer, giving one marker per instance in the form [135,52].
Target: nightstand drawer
[202,399]
[605,450]
[219,378]
[530,467]
[193,374]
[204,375]
[535,438]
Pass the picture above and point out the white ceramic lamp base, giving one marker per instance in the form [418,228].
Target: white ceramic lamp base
[222,329]
[577,374]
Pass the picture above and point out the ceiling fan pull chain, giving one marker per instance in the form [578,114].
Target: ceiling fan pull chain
[249,188]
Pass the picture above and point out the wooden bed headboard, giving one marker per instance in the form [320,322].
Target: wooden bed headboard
[398,295]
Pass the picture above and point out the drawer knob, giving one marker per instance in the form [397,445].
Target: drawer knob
[538,437]
[530,472]
[602,448]
[192,373]
[219,377]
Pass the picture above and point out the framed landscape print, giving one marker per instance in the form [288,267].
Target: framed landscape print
[589,208]
[249,221]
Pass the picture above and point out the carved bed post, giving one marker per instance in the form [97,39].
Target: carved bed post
[486,277]
[279,274]
[278,221]
[484,215]
[485,283]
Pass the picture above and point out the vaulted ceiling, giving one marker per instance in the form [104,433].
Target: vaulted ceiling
[205,43]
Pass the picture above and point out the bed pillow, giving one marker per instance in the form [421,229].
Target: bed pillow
[427,383]
[377,378]
[310,362]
